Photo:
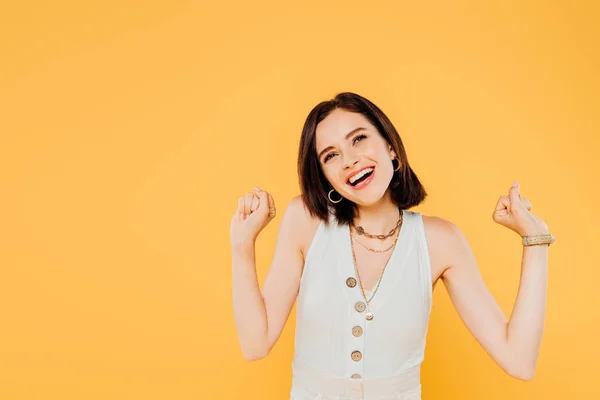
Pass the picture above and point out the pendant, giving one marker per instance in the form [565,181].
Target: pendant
[369,316]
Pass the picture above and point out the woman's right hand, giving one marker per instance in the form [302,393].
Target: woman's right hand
[254,212]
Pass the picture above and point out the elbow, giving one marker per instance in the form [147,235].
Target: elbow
[255,353]
[249,356]
[523,375]
[254,345]
[522,372]
[527,376]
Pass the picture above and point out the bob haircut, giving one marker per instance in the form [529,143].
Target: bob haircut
[406,189]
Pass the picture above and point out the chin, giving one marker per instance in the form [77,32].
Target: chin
[368,198]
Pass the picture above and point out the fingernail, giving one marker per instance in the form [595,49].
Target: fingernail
[515,183]
[257,189]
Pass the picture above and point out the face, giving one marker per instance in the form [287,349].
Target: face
[347,144]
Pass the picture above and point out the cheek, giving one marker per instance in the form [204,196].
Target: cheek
[332,175]
[329,174]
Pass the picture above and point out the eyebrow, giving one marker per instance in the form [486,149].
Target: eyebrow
[326,149]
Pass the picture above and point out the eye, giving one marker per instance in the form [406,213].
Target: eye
[356,139]
[327,157]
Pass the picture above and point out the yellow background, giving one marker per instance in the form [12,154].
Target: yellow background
[130,128]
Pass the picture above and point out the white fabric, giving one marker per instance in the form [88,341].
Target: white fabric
[392,344]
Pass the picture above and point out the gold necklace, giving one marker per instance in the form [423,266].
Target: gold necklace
[361,231]
[369,314]
[373,250]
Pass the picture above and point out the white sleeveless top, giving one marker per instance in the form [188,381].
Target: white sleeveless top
[327,337]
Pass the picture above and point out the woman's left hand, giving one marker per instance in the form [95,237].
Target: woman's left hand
[513,211]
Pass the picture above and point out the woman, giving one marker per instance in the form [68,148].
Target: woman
[363,267]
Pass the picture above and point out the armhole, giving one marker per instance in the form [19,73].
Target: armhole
[426,258]
[312,249]
[313,243]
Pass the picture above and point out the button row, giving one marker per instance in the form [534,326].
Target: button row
[357,331]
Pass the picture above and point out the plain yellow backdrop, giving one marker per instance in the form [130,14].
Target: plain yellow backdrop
[128,129]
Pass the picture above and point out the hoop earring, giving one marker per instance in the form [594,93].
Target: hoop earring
[329,197]
[398,168]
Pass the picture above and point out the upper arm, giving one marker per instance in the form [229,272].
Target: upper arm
[471,298]
[282,283]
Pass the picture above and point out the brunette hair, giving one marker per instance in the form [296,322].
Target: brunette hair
[406,189]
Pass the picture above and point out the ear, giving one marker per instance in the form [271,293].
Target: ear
[392,152]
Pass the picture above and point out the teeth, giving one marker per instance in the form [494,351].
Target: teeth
[360,174]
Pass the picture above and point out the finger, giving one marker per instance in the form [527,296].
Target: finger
[240,208]
[267,199]
[526,202]
[271,201]
[502,204]
[263,200]
[248,203]
[513,194]
[271,204]
[255,203]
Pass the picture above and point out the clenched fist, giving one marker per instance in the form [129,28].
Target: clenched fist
[514,212]
[254,212]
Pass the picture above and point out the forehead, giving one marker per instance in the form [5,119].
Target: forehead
[336,125]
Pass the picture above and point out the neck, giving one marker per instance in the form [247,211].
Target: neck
[378,218]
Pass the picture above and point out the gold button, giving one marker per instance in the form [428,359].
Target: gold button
[356,355]
[356,376]
[351,282]
[357,331]
[360,306]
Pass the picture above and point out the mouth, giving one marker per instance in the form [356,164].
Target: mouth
[363,180]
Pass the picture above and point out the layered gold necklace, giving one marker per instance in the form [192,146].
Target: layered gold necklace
[373,250]
[369,314]
[361,231]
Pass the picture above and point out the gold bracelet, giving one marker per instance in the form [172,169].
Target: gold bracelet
[533,240]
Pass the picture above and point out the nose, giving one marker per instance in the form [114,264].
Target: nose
[350,161]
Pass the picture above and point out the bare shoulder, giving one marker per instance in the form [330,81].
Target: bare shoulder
[440,234]
[305,225]
[436,226]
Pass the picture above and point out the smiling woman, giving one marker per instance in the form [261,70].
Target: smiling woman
[341,138]
[362,267]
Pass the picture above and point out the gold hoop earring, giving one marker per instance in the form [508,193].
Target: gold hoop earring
[398,168]
[329,197]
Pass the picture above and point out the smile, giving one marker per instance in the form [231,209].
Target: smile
[364,178]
